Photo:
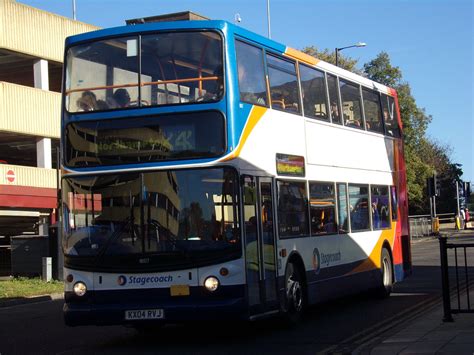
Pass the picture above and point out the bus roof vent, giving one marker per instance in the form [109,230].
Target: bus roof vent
[176,16]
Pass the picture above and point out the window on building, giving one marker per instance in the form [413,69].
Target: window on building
[252,86]
[292,209]
[334,106]
[313,86]
[283,84]
[351,104]
[373,115]
[322,208]
[358,204]
[380,207]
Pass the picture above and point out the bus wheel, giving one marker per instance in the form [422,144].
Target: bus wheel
[295,294]
[386,269]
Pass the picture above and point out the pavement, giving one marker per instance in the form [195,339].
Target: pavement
[427,334]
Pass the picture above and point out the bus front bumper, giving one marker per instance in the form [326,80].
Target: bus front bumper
[173,311]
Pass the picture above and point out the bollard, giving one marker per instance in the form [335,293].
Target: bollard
[47,269]
[457,223]
[435,225]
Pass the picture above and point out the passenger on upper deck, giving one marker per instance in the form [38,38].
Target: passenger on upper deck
[87,101]
[122,98]
[335,111]
[247,87]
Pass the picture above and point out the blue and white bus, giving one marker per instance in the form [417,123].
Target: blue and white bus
[212,173]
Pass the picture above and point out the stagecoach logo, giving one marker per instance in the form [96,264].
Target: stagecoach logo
[122,280]
[143,280]
[316,261]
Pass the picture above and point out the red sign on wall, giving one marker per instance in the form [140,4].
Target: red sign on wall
[11,176]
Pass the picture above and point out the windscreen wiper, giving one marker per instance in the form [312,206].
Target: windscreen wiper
[113,237]
[170,238]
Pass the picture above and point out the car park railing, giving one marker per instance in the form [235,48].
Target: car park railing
[420,225]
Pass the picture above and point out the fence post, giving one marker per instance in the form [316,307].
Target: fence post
[443,252]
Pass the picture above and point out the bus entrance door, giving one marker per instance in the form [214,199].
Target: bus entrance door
[260,244]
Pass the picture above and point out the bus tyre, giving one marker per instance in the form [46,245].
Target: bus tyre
[386,269]
[295,294]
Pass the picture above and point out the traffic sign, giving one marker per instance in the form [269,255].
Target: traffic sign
[11,176]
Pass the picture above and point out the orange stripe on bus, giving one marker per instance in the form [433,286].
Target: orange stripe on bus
[296,54]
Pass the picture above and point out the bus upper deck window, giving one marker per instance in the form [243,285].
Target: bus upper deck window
[390,116]
[252,87]
[155,69]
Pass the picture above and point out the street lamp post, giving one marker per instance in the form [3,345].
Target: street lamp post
[359,44]
[268,19]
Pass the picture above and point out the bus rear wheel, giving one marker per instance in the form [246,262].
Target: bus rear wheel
[295,294]
[386,269]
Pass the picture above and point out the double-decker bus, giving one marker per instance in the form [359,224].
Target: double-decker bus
[212,173]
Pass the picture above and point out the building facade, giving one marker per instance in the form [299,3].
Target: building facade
[31,56]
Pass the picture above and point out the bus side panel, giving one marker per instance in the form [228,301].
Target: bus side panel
[337,265]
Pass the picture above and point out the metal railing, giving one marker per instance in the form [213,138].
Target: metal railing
[462,273]
[420,225]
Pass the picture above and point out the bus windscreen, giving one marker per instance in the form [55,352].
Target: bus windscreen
[174,217]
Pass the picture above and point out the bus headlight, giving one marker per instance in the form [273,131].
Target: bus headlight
[211,283]
[80,289]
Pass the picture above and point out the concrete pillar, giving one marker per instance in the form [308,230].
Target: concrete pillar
[43,153]
[41,74]
[43,146]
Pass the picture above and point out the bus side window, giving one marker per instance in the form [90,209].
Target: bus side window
[313,88]
[252,86]
[351,104]
[373,116]
[390,116]
[342,208]
[380,207]
[334,99]
[359,209]
[322,208]
[394,202]
[283,84]
[292,209]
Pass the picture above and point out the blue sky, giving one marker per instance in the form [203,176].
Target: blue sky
[430,40]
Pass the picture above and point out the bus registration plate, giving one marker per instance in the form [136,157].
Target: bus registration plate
[138,314]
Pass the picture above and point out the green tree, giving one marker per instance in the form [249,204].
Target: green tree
[381,70]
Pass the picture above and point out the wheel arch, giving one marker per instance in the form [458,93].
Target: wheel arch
[296,259]
[386,245]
